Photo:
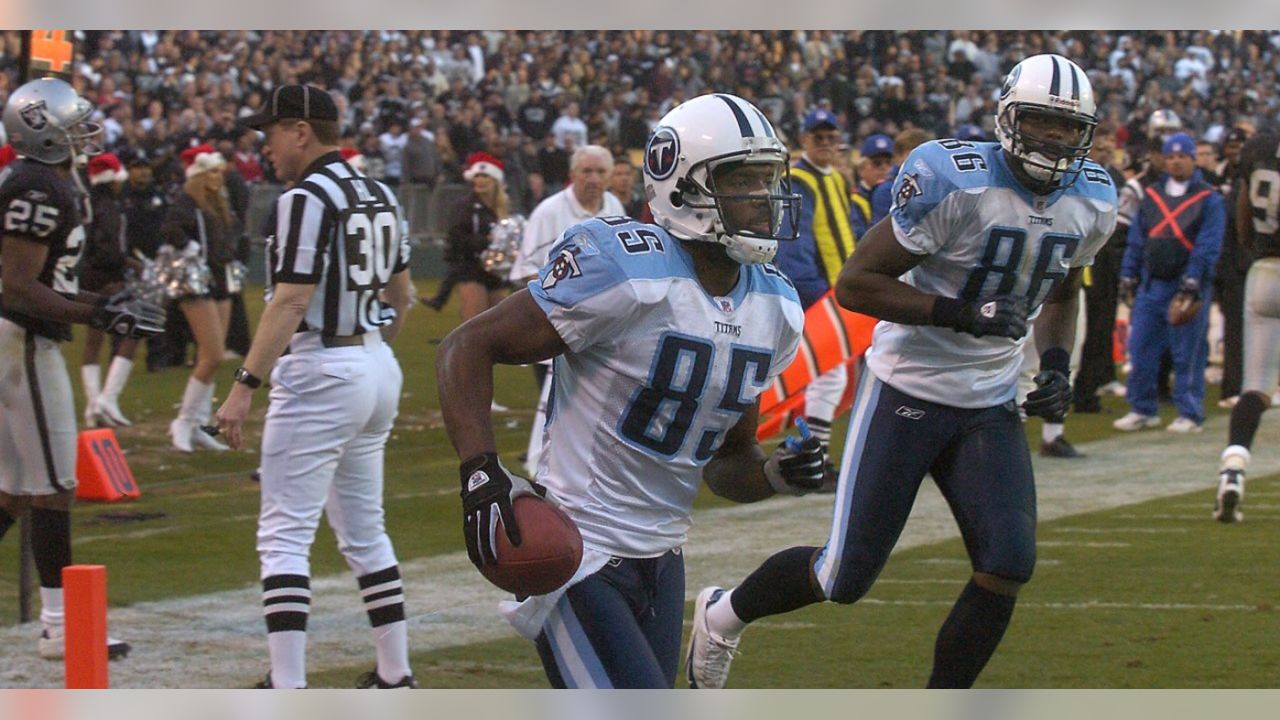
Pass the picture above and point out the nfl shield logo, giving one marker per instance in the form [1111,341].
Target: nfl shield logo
[725,304]
[1041,203]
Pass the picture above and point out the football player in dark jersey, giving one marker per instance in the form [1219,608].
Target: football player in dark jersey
[44,206]
[1258,228]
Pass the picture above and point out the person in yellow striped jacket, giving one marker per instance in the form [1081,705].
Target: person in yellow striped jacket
[826,239]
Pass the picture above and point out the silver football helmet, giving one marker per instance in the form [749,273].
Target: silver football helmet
[48,121]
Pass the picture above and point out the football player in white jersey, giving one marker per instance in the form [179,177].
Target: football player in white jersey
[663,337]
[983,238]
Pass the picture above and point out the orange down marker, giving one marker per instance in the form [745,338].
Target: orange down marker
[84,593]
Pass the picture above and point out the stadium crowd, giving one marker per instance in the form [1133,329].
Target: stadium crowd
[417,103]
[414,106]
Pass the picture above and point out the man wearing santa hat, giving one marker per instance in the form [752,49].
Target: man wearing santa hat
[106,255]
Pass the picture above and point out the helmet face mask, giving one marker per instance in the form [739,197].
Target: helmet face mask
[715,171]
[748,196]
[48,121]
[1052,163]
[1045,121]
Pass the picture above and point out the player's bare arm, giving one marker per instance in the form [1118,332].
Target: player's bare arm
[869,283]
[514,332]
[736,472]
[1056,326]
[398,294]
[280,320]
[1244,219]
[21,263]
[740,471]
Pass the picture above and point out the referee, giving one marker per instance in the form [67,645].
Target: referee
[337,290]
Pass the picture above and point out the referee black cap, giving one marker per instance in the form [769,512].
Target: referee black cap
[294,102]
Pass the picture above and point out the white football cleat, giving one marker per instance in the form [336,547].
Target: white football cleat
[1184,425]
[1230,495]
[709,656]
[1136,421]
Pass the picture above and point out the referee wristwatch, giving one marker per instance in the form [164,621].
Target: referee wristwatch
[248,378]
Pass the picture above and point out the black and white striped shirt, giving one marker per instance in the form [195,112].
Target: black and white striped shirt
[344,233]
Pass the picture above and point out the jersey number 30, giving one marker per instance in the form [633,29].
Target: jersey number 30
[371,243]
[661,414]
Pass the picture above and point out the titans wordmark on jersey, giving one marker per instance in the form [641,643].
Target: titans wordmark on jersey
[39,204]
[982,233]
[658,371]
[344,233]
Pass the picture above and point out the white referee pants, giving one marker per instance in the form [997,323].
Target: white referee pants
[322,450]
[1262,327]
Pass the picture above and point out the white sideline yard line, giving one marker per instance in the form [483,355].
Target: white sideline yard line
[218,640]
[1126,530]
[1085,605]
[1075,543]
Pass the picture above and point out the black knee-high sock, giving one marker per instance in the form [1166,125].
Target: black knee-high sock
[50,544]
[781,584]
[1245,417]
[969,636]
[6,522]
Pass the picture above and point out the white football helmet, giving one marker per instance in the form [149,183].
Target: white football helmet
[1162,123]
[1047,86]
[48,121]
[680,161]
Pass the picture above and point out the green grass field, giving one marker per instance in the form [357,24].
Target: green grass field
[1146,595]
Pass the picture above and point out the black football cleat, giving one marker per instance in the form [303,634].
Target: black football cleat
[1059,448]
[372,681]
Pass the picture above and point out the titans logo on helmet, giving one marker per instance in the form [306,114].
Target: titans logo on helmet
[1010,81]
[660,156]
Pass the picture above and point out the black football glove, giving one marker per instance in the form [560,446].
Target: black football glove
[124,314]
[999,315]
[1052,395]
[797,467]
[487,492]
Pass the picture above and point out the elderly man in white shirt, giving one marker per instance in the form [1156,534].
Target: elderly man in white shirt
[585,197]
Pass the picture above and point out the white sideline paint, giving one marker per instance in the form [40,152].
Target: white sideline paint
[218,640]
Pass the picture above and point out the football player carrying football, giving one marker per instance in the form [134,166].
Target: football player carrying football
[663,337]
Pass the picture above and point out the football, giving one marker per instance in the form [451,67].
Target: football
[549,553]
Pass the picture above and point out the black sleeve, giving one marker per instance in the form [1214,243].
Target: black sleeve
[33,206]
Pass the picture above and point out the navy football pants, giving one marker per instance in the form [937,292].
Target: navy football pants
[618,628]
[978,458]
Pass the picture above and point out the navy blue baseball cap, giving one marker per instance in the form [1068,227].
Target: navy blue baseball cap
[878,144]
[970,133]
[1179,143]
[820,117]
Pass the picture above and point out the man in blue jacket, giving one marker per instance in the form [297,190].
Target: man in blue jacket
[1173,245]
